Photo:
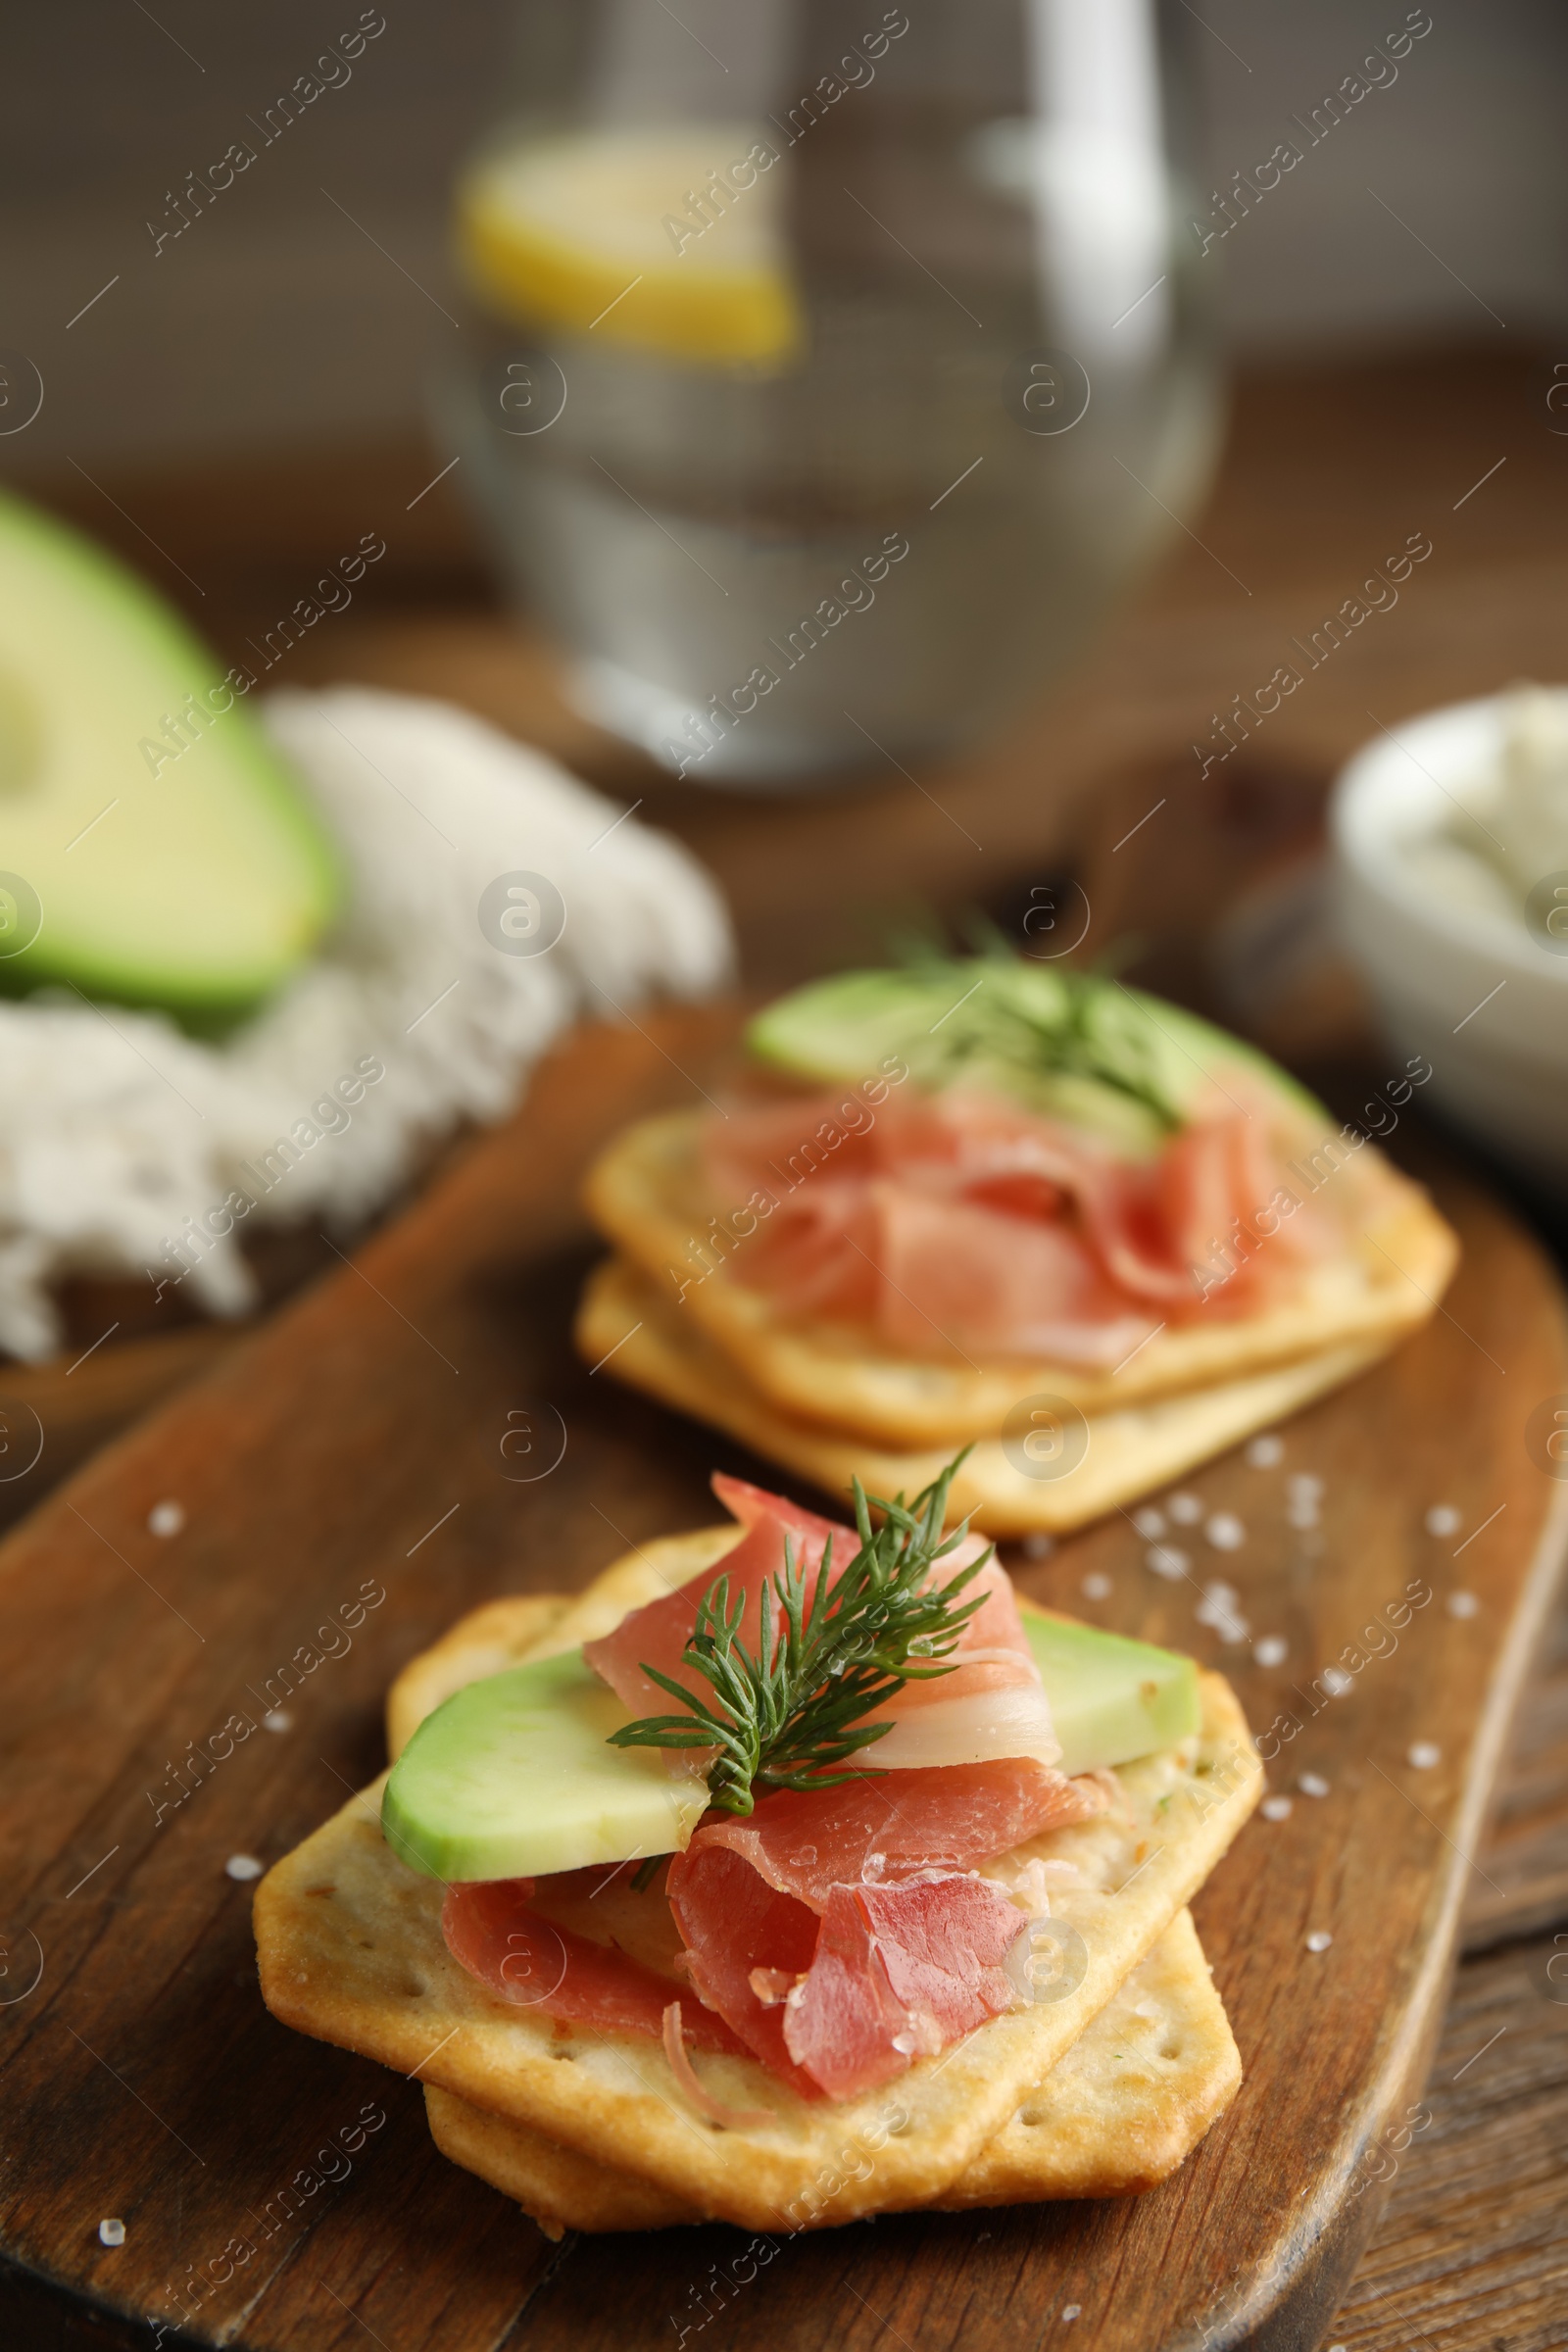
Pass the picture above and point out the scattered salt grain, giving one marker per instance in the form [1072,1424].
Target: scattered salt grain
[1097,1586]
[1276,1808]
[1312,1783]
[1264,1452]
[1166,1560]
[1443,1520]
[244,1866]
[1271,1650]
[112,2233]
[1150,1523]
[166,1518]
[1185,1509]
[903,2043]
[1225,1531]
[1070,2311]
[1302,1494]
[277,1719]
[1462,1604]
[1423,1754]
[1335,1682]
[1319,1941]
[1039,1546]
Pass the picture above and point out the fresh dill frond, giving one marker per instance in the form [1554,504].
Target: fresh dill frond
[784,1716]
[1075,1024]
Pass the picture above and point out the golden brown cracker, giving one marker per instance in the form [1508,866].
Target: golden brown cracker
[1128,1453]
[1117,2114]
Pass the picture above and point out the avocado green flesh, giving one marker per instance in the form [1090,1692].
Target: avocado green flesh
[513,1779]
[1111,1699]
[843,1029]
[198,889]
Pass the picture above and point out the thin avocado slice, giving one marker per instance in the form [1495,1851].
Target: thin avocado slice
[1111,1699]
[511,1778]
[154,849]
[1076,1045]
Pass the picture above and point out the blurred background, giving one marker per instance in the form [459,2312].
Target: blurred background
[283,326]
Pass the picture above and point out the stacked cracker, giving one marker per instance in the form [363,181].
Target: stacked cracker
[1101,2093]
[1052,1446]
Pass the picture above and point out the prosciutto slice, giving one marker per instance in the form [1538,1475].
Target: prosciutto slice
[841,1934]
[991,1705]
[958,1224]
[492,1929]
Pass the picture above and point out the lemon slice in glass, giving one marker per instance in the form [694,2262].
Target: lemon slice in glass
[669,240]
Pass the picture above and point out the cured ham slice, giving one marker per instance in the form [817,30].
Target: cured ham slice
[860,1902]
[804,1842]
[991,1705]
[899,1970]
[957,1222]
[492,1929]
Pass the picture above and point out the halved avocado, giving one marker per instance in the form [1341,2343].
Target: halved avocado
[164,853]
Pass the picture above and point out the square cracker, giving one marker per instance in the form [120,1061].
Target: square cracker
[350,1950]
[657,1348]
[646,1192]
[1126,2105]
[1117,2114]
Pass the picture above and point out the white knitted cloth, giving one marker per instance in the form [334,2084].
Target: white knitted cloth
[127,1147]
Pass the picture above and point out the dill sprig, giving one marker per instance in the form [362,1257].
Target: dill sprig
[1086,1027]
[784,1716]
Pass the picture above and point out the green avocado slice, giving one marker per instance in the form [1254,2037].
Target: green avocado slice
[512,1778]
[154,849]
[1075,1045]
[1111,1699]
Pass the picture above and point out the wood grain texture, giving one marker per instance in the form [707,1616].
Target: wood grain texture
[357,1440]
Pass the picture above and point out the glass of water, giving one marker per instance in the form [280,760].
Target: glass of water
[831,365]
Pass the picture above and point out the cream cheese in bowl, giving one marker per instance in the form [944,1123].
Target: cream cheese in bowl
[1451,849]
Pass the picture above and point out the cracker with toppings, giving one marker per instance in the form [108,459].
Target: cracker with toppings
[351,1950]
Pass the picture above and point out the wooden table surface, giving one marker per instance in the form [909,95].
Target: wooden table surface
[1328,467]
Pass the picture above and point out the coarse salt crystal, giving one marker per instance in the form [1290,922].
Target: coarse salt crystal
[1150,1523]
[1312,1783]
[1263,1453]
[112,2233]
[1276,1808]
[244,1866]
[1097,1586]
[1335,1682]
[1423,1754]
[1070,2311]
[166,1518]
[277,1719]
[904,2044]
[1319,1941]
[1185,1509]
[1166,1560]
[1443,1520]
[1225,1531]
[1271,1650]
[1462,1604]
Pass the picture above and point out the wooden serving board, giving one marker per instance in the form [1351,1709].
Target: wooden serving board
[367,1440]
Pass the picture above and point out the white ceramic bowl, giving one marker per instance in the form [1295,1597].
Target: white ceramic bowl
[1498,1053]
